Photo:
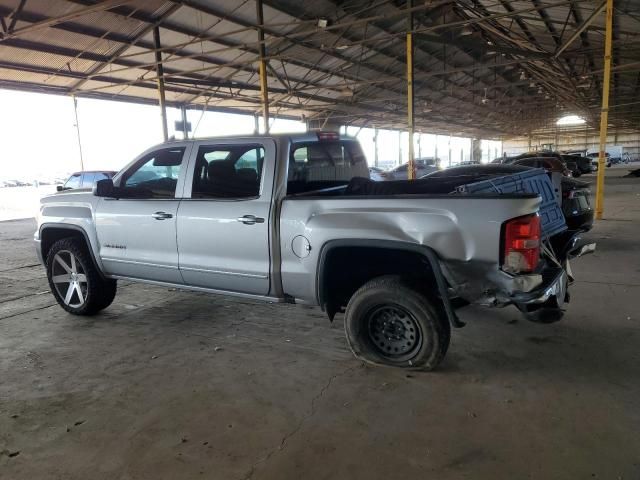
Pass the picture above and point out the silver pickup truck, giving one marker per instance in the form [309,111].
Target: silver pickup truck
[294,218]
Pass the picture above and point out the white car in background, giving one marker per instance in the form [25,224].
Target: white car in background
[378,174]
[423,167]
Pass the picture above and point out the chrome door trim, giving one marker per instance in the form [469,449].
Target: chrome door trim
[223,272]
[134,262]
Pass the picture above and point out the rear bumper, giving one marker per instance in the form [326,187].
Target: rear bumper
[554,285]
[490,286]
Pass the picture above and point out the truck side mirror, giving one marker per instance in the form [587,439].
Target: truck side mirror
[103,188]
[59,188]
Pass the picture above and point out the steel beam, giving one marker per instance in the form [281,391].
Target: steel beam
[411,170]
[15,15]
[581,29]
[604,114]
[98,7]
[160,75]
[264,92]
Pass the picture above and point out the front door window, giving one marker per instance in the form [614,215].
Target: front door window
[155,175]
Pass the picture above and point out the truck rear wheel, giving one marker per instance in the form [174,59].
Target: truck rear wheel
[389,323]
[75,282]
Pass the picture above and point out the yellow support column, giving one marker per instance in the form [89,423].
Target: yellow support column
[604,114]
[410,121]
[264,92]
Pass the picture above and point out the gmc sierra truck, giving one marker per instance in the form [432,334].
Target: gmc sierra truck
[295,218]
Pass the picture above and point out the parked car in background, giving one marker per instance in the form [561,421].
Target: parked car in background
[576,204]
[503,159]
[580,153]
[614,154]
[378,174]
[575,195]
[609,160]
[584,164]
[428,161]
[548,163]
[571,165]
[401,172]
[85,179]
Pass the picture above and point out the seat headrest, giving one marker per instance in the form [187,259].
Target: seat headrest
[220,169]
[248,175]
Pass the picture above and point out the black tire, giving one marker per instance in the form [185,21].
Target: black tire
[90,292]
[388,322]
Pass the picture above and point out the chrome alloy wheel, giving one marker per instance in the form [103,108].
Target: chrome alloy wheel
[69,279]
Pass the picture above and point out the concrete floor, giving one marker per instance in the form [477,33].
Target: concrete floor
[167,384]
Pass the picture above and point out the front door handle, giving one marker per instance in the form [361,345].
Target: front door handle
[250,219]
[161,215]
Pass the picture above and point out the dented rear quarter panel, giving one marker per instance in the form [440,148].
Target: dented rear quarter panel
[459,229]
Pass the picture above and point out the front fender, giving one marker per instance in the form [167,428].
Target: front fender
[89,236]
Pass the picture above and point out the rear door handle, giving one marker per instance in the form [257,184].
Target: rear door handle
[161,215]
[250,219]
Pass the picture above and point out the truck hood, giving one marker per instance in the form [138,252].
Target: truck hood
[68,204]
[80,194]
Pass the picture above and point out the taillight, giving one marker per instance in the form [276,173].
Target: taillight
[521,244]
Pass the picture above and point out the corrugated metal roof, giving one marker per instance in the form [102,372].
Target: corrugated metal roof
[484,68]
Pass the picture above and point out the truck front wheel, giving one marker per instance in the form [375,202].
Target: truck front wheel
[75,282]
[389,323]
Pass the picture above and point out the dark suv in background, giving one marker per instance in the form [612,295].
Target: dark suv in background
[85,179]
[575,163]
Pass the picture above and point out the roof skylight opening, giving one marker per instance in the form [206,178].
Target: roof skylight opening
[571,120]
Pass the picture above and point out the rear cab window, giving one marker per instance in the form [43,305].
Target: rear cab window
[316,165]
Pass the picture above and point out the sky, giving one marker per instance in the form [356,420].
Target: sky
[39,138]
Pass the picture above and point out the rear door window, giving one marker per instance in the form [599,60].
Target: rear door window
[232,171]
